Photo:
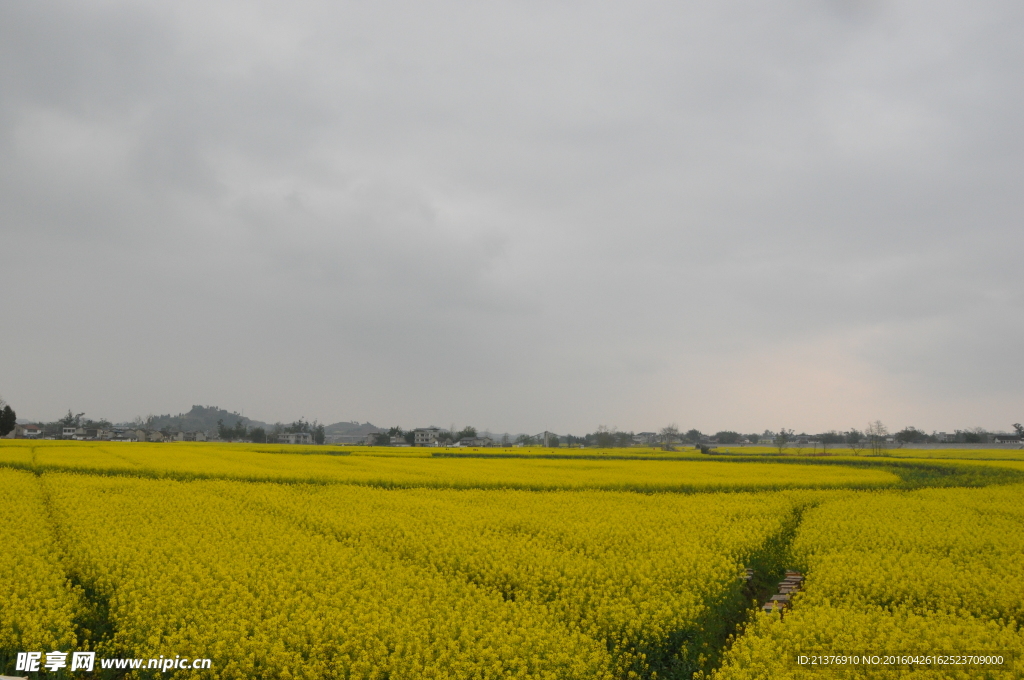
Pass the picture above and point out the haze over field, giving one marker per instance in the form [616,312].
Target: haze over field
[524,217]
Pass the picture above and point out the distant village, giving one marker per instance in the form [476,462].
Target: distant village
[211,423]
[438,437]
[426,436]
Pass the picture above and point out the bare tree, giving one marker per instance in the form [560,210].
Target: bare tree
[877,432]
[669,436]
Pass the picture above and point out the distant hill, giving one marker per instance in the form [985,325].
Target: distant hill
[351,429]
[203,418]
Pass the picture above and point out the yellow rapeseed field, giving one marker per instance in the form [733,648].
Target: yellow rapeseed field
[185,460]
[649,575]
[187,569]
[932,572]
[346,581]
[37,604]
[283,562]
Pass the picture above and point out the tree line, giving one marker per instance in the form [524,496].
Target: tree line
[259,435]
[449,436]
[875,437]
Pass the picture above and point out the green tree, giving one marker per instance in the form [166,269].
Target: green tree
[234,433]
[694,436]
[853,439]
[71,420]
[782,438]
[971,436]
[8,419]
[604,438]
[258,435]
[728,437]
[911,435]
[319,435]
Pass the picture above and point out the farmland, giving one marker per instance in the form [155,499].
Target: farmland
[932,571]
[279,562]
[214,461]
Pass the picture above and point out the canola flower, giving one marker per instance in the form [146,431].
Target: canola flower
[184,570]
[408,567]
[348,581]
[654,577]
[37,604]
[935,571]
[960,551]
[228,461]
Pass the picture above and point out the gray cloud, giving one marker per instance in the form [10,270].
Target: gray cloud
[530,216]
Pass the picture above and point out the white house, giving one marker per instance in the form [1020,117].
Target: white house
[426,436]
[295,438]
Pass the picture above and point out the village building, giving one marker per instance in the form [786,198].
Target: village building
[24,432]
[188,437]
[475,441]
[426,436]
[295,438]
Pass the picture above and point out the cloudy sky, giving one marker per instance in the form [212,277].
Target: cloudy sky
[522,215]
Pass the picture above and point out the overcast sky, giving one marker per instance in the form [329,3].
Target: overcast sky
[521,216]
